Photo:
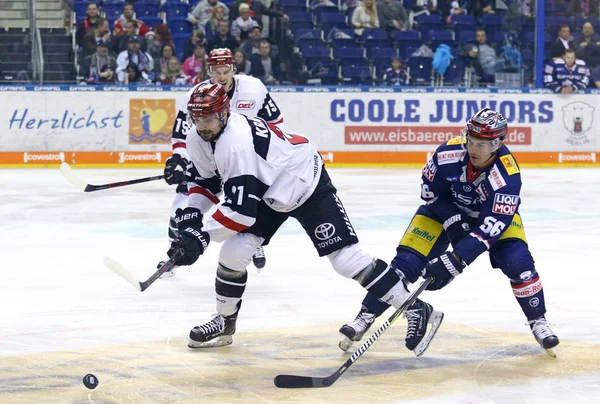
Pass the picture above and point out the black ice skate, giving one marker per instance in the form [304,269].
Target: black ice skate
[216,332]
[355,330]
[258,259]
[170,273]
[544,335]
[418,316]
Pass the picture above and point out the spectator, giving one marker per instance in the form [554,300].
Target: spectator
[392,15]
[566,75]
[160,64]
[455,9]
[242,25]
[173,75]
[487,62]
[596,76]
[121,41]
[264,66]
[423,7]
[224,39]
[188,47]
[365,17]
[133,76]
[479,8]
[159,37]
[195,64]
[203,11]
[562,43]
[101,31]
[212,26]
[242,66]
[99,68]
[134,55]
[257,10]
[88,23]
[587,46]
[252,45]
[583,8]
[396,75]
[128,14]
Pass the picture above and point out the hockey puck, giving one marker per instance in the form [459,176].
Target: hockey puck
[90,381]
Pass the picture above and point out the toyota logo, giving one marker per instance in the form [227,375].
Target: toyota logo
[324,231]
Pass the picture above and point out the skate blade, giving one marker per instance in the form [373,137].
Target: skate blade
[345,343]
[435,320]
[167,275]
[222,340]
[551,352]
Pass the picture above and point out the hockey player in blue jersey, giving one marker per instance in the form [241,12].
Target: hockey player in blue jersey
[471,188]
[566,75]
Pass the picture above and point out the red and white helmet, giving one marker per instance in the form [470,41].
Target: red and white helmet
[487,124]
[220,57]
[208,99]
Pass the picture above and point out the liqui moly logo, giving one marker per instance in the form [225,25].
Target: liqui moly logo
[505,204]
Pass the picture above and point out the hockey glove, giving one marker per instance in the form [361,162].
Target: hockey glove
[193,242]
[456,227]
[188,217]
[175,169]
[443,269]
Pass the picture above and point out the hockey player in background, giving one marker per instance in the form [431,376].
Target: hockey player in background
[471,188]
[248,96]
[566,75]
[267,176]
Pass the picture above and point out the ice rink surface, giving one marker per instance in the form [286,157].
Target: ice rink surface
[64,314]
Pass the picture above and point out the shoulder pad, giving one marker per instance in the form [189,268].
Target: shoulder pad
[579,62]
[560,61]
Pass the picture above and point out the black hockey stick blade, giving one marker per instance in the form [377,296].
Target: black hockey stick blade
[294,382]
[141,286]
[74,179]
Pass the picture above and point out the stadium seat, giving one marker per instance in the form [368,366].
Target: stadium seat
[427,23]
[350,56]
[146,8]
[179,25]
[332,20]
[375,38]
[292,5]
[455,73]
[442,37]
[152,21]
[386,53]
[357,75]
[407,42]
[113,11]
[80,8]
[466,37]
[175,10]
[420,69]
[313,55]
[464,19]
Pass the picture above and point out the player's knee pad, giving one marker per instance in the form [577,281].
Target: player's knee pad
[512,257]
[236,252]
[409,262]
[229,287]
[384,282]
[350,260]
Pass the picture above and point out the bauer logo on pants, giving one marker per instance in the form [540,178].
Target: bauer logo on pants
[505,204]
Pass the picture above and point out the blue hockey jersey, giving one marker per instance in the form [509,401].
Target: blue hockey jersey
[489,198]
[558,75]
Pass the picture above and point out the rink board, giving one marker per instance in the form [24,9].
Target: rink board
[113,126]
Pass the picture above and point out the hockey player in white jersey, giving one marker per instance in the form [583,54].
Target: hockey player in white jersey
[248,96]
[266,176]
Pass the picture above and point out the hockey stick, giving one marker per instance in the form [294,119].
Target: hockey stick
[74,179]
[141,286]
[291,381]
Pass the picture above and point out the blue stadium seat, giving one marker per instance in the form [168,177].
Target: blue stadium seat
[113,10]
[146,8]
[80,8]
[375,37]
[151,22]
[427,24]
[327,70]
[464,19]
[420,70]
[332,20]
[292,5]
[315,54]
[455,73]
[179,25]
[491,19]
[175,9]
[300,20]
[556,20]
[374,53]
[466,37]
[350,56]
[381,65]
[308,33]
[321,10]
[407,42]
[357,75]
[579,21]
[179,40]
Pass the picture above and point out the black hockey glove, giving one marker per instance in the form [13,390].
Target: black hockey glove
[175,169]
[443,269]
[456,228]
[191,237]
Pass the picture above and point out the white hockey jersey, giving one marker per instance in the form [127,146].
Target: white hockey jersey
[248,96]
[251,161]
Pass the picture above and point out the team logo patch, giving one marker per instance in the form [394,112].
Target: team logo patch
[324,231]
[429,170]
[244,105]
[510,164]
[578,119]
[505,204]
[481,191]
